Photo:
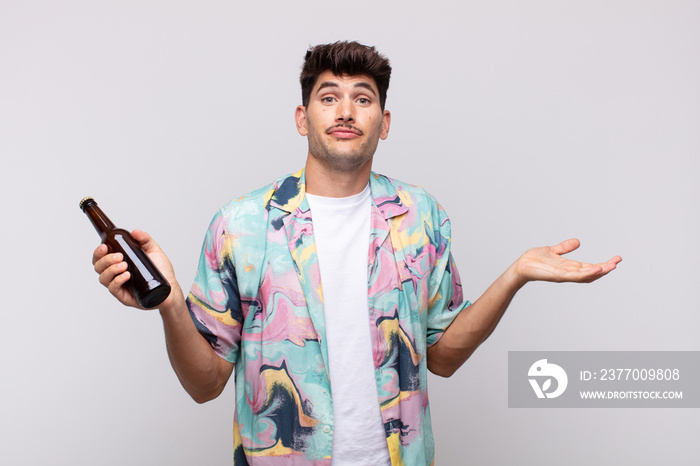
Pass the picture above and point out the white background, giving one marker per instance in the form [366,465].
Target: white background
[532,122]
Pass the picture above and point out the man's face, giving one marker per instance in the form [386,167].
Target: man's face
[343,121]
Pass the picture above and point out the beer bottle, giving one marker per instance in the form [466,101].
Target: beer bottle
[147,284]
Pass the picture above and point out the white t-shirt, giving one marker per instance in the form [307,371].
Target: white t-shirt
[341,231]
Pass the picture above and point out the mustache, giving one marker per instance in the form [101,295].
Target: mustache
[344,125]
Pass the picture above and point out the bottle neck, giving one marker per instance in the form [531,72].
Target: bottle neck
[99,220]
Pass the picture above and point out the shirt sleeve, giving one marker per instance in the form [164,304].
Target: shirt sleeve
[214,301]
[446,298]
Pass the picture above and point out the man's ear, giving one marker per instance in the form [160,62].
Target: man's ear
[386,122]
[300,118]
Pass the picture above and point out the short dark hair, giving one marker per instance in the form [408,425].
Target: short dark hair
[344,58]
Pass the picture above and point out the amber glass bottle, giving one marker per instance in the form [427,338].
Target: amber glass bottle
[146,283]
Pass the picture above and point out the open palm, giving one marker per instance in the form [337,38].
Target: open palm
[547,264]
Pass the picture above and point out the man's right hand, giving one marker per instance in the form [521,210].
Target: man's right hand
[113,273]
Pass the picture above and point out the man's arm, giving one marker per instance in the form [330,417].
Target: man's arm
[475,323]
[202,373]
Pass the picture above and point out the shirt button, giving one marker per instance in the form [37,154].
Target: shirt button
[326,429]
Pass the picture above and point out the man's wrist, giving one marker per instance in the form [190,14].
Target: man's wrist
[514,276]
[174,301]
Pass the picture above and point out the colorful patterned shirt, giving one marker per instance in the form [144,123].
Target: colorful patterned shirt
[257,299]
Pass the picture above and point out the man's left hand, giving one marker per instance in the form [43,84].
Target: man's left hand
[547,264]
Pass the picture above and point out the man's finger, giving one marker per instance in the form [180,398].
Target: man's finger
[111,272]
[107,261]
[145,240]
[611,265]
[99,253]
[566,246]
[116,285]
[600,270]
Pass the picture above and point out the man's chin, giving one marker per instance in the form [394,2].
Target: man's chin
[344,163]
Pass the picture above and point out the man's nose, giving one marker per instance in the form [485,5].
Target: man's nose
[345,111]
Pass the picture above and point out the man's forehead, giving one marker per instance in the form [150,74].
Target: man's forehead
[330,79]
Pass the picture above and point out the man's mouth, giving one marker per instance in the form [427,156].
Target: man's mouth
[344,132]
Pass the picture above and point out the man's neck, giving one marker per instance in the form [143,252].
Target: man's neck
[322,181]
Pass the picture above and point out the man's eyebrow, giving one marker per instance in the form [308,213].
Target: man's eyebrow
[367,86]
[326,84]
[362,84]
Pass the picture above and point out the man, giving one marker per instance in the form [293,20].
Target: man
[332,291]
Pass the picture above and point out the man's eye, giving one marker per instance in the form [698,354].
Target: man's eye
[363,100]
[327,100]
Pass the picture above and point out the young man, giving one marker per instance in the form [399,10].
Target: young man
[332,292]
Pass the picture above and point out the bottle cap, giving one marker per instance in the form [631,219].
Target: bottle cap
[85,201]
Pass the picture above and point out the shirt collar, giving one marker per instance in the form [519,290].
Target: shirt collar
[290,193]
